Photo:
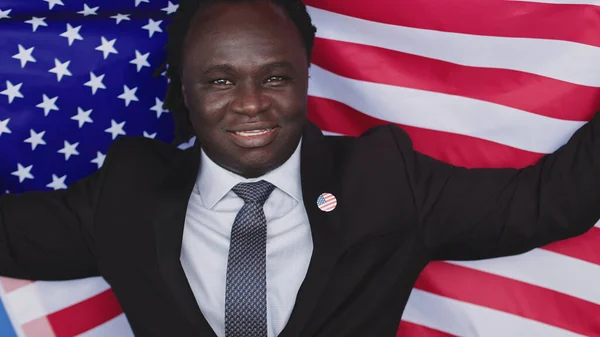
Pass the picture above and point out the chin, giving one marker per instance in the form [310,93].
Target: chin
[256,166]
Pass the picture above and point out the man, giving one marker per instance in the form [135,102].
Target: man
[266,227]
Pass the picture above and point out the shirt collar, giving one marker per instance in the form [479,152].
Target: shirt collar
[214,182]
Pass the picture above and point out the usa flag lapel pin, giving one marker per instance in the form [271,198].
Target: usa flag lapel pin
[326,202]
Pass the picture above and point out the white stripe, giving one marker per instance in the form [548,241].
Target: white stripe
[563,60]
[565,2]
[42,298]
[329,133]
[443,112]
[466,319]
[546,269]
[597,224]
[116,327]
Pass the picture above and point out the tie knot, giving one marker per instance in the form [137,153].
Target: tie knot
[257,192]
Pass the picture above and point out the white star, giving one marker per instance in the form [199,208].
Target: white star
[58,183]
[52,3]
[140,60]
[87,11]
[153,27]
[36,22]
[172,8]
[72,34]
[188,144]
[138,2]
[116,129]
[23,172]
[4,126]
[107,47]
[4,14]
[69,150]
[82,117]
[95,82]
[99,160]
[12,91]
[24,56]
[36,139]
[128,95]
[48,104]
[158,107]
[148,135]
[60,69]
[121,17]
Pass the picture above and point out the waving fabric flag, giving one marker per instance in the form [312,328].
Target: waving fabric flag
[475,83]
[74,75]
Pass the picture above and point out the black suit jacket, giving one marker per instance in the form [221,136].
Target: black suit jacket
[397,210]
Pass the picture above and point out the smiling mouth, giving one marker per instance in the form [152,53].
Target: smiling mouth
[254,138]
[253,133]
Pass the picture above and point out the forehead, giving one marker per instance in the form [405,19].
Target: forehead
[241,31]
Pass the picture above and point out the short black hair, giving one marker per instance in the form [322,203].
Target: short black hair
[177,31]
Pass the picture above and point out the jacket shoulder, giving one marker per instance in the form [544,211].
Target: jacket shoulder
[386,145]
[387,131]
[386,135]
[141,148]
[138,157]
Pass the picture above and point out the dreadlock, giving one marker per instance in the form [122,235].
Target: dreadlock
[177,31]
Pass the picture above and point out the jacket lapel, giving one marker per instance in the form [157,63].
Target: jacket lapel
[170,210]
[319,176]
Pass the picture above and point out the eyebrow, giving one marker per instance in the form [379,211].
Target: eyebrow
[225,68]
[275,65]
[228,68]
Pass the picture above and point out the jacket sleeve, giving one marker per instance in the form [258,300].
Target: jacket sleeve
[483,213]
[49,235]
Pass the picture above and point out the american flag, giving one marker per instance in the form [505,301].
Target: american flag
[476,83]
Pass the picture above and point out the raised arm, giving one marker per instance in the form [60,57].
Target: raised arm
[48,235]
[483,213]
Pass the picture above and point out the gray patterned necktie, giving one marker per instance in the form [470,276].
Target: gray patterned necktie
[246,285]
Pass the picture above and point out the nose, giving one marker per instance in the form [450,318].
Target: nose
[250,100]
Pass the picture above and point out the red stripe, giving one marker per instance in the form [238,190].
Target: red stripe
[38,328]
[533,93]
[11,284]
[85,315]
[585,247]
[408,329]
[457,149]
[577,23]
[518,298]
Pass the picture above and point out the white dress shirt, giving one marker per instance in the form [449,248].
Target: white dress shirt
[211,211]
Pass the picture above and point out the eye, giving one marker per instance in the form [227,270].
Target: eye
[277,80]
[221,82]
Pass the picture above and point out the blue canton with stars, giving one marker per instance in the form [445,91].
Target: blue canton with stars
[74,76]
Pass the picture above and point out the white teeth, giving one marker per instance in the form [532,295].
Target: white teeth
[252,132]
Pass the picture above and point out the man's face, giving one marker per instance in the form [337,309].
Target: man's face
[245,80]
